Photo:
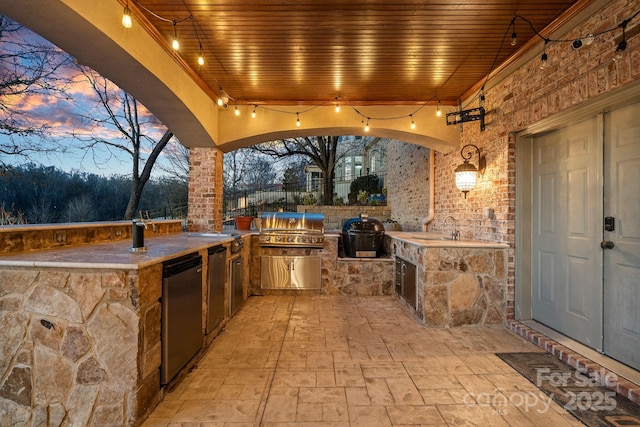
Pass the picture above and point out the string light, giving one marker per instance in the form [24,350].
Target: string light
[175,44]
[543,58]
[622,46]
[223,100]
[575,43]
[127,22]
[200,55]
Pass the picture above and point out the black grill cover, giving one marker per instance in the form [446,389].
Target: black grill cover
[362,237]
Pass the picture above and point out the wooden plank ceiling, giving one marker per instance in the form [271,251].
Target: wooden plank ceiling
[362,51]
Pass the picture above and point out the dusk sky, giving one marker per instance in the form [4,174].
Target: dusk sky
[66,115]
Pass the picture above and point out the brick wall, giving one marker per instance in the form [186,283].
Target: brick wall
[525,97]
[408,184]
[205,189]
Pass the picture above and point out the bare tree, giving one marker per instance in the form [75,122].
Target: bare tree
[245,168]
[80,209]
[321,150]
[131,133]
[177,156]
[30,69]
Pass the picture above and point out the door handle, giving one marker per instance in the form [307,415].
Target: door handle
[606,244]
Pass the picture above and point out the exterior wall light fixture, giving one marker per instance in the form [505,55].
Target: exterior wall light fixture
[467,173]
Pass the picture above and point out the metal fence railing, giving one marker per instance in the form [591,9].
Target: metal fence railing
[286,197]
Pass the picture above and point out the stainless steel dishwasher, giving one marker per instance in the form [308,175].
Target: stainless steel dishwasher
[217,276]
[182,334]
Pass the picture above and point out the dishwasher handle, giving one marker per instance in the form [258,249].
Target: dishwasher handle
[216,249]
[178,265]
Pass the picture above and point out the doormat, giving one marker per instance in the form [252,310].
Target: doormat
[586,398]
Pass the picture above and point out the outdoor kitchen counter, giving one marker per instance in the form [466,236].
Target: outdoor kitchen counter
[456,282]
[115,255]
[442,241]
[82,328]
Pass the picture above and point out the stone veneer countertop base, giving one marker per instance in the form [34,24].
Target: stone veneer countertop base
[115,255]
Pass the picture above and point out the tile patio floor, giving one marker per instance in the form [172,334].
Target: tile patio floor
[353,361]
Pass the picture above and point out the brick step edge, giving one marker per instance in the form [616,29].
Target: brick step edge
[620,385]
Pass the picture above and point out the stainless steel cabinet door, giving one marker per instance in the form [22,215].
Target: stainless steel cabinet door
[291,272]
[305,272]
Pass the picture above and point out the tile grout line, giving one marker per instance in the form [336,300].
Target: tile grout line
[275,368]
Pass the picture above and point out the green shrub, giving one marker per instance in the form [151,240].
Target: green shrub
[309,199]
[368,183]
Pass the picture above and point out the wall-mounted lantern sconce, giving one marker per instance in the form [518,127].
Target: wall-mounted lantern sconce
[467,173]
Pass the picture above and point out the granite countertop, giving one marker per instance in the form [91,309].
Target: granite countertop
[117,255]
[442,241]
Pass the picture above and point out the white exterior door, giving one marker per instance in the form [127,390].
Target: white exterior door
[566,220]
[622,261]
[585,254]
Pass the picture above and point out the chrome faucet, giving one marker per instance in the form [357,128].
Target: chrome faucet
[455,234]
[145,219]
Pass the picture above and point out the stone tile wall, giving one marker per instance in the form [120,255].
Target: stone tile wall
[78,347]
[364,277]
[29,238]
[457,286]
[335,216]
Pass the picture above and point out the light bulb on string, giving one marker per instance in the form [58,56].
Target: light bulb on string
[175,44]
[253,113]
[543,61]
[200,56]
[298,119]
[413,124]
[337,107]
[127,22]
[366,127]
[223,100]
[237,111]
[438,112]
[622,46]
[543,58]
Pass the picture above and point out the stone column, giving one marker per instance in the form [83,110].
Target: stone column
[205,189]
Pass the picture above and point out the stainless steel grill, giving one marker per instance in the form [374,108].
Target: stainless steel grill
[292,229]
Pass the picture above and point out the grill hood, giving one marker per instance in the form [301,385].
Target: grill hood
[292,229]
